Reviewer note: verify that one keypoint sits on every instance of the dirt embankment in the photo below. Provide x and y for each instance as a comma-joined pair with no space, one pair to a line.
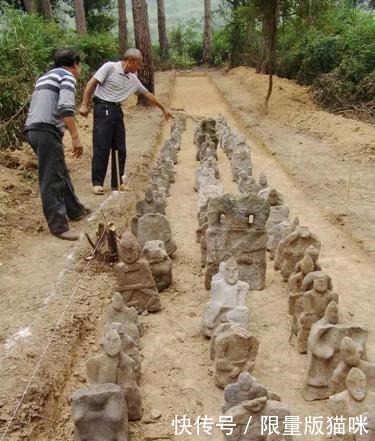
331,157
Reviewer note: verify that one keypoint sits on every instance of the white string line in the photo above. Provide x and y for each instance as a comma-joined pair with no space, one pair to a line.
70,299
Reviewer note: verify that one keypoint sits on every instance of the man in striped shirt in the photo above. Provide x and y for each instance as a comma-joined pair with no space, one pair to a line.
112,84
51,110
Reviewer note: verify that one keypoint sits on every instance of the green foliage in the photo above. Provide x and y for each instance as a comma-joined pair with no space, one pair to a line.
27,44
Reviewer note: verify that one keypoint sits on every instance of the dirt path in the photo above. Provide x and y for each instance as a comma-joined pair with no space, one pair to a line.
177,374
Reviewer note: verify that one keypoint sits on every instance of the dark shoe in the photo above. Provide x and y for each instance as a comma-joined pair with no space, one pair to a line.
85,212
67,235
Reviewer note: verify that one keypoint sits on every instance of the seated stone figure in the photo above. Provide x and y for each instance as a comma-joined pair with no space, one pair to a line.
129,346
278,233
356,399
263,181
114,366
295,294
315,303
246,183
292,249
160,263
240,162
323,352
156,226
118,312
278,214
207,173
351,355
100,413
244,389
134,277
227,292
247,417
235,352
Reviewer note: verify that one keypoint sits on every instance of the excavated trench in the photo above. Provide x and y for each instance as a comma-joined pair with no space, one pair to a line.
177,374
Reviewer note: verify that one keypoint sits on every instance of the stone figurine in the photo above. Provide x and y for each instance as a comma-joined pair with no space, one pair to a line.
114,366
134,277
160,263
156,226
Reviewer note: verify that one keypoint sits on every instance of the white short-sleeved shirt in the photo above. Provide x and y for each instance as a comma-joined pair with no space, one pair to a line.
115,85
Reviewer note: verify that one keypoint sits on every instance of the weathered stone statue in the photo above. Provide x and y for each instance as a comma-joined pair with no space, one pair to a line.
114,366
134,277
100,413
314,305
128,346
148,205
263,181
227,292
161,181
247,417
236,227
279,232
292,249
240,162
206,133
278,213
118,312
156,227
356,399
160,263
246,183
244,389
207,173
206,193
170,147
235,352
308,281
323,352
207,149
351,355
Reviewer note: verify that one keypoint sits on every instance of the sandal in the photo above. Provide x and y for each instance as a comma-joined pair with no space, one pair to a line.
98,189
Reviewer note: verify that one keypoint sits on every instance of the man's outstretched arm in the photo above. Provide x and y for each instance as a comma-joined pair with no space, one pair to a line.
87,94
151,99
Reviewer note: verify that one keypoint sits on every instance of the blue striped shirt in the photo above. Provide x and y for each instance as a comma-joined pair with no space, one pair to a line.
53,99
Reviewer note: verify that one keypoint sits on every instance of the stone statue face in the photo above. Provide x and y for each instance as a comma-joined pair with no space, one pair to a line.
349,352
263,179
273,197
231,273
356,384
117,301
132,254
320,285
112,343
148,195
245,381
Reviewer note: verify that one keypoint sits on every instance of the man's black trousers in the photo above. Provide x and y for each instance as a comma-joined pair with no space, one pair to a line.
108,136
56,189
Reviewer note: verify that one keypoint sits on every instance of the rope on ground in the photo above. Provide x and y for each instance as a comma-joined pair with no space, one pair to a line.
71,297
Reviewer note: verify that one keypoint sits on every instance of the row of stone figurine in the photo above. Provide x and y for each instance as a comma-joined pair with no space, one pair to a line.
102,410
331,346
226,317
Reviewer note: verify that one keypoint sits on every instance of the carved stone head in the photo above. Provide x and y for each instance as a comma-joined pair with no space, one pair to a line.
320,285
356,384
117,301
129,249
231,271
307,265
245,381
350,353
149,197
112,343
262,179
332,313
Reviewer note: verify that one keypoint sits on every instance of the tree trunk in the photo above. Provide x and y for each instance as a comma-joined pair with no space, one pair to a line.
80,14
30,6
163,36
122,27
207,33
46,9
143,43
270,31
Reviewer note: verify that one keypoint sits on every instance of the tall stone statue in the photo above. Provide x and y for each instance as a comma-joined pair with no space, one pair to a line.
227,292
236,227
134,277
100,413
114,366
